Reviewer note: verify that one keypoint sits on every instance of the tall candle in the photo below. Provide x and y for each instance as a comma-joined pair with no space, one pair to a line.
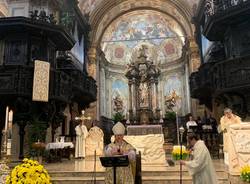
11,115
6,118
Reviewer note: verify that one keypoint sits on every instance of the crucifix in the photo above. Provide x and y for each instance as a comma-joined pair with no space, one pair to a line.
82,117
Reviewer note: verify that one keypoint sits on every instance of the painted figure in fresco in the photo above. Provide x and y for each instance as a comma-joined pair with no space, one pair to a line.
118,103
142,51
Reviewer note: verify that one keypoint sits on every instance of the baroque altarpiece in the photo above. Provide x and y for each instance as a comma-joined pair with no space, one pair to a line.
143,81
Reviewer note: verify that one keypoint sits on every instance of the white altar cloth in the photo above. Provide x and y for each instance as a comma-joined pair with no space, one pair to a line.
59,145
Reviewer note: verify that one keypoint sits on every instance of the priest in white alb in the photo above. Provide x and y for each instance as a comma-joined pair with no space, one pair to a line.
228,119
81,135
124,175
201,167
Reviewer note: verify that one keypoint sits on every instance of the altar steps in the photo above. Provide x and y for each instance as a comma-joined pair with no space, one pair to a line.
148,177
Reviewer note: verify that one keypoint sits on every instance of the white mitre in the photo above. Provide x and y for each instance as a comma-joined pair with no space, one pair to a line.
118,129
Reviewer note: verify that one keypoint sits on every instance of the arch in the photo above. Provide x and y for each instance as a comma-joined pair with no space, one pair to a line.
157,31
107,11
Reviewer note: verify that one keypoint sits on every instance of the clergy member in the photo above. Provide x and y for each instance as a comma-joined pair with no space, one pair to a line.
228,119
81,134
191,123
124,175
201,167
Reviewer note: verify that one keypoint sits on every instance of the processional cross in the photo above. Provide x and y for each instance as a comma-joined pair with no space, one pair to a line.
82,117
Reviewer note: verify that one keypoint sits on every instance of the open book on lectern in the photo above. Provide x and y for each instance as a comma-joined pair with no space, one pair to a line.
115,161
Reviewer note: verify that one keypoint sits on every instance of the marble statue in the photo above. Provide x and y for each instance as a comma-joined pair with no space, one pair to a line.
94,142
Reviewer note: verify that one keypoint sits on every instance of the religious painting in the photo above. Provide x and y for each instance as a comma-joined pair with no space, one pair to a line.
173,87
119,52
169,48
131,30
119,97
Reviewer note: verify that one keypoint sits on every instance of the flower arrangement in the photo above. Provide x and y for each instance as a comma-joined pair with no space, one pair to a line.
245,173
29,171
176,153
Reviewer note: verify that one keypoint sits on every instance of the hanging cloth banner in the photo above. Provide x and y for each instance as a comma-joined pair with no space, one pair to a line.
41,81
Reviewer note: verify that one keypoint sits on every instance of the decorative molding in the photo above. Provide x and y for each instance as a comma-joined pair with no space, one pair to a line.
41,81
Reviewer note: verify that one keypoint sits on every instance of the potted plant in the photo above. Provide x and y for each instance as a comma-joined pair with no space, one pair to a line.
176,153
29,171
245,174
118,117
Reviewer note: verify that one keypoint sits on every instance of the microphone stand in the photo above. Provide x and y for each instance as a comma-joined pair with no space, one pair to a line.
95,169
181,130
94,172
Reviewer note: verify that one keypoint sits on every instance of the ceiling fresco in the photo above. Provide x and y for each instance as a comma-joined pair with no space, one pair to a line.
87,6
160,33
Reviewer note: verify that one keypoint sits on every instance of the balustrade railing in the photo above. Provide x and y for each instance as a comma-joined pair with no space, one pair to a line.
213,7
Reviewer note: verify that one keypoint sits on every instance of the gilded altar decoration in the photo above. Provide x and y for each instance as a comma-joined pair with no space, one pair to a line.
143,77
41,81
171,101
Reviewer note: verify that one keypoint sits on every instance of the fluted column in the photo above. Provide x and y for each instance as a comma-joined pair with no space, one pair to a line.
135,103
130,100
151,92
157,110
157,94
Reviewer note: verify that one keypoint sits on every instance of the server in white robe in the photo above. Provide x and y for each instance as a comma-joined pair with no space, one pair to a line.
81,135
201,167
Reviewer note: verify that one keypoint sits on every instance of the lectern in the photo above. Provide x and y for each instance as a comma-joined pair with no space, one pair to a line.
115,161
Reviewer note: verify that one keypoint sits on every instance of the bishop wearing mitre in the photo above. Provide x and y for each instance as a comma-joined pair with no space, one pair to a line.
81,135
124,175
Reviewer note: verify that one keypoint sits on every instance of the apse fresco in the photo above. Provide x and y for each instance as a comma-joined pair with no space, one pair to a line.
119,97
161,34
173,83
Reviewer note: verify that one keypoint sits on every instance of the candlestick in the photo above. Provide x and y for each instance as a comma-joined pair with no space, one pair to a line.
11,115
6,118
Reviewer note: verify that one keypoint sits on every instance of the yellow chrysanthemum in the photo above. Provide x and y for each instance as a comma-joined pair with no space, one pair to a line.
28,172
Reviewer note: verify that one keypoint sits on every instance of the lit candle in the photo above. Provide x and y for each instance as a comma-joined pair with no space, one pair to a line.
6,118
11,115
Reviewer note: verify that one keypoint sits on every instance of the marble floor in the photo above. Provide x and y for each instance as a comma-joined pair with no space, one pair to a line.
88,165
77,171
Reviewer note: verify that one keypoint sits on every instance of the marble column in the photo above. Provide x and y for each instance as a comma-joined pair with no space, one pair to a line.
194,64
150,93
130,100
157,95
135,101
103,93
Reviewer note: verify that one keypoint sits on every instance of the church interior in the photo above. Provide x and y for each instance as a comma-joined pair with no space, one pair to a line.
165,69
